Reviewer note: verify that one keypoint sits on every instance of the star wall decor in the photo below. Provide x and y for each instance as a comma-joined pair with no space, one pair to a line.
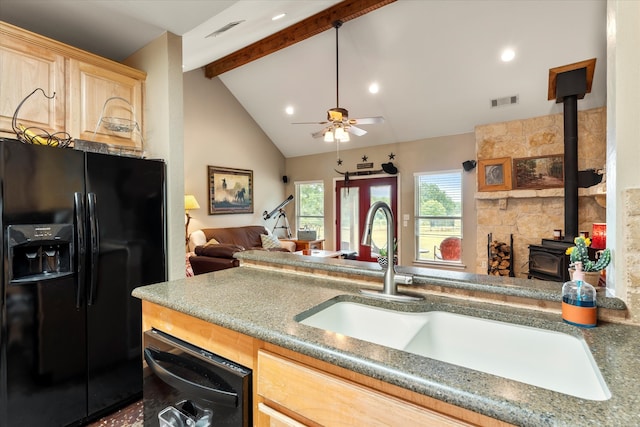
365,158
392,156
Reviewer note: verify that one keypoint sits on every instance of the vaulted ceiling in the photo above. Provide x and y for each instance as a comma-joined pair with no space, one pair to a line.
437,62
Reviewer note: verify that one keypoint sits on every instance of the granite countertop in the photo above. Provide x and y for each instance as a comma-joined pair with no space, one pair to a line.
499,285
263,304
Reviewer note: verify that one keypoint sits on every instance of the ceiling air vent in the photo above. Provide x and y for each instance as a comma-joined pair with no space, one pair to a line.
227,27
507,100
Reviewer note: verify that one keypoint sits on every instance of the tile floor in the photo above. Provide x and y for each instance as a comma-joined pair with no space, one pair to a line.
130,416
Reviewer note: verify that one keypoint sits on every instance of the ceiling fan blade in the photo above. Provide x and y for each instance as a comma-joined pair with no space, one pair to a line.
310,123
356,131
320,133
368,120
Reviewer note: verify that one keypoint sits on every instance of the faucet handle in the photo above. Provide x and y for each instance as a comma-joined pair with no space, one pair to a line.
403,279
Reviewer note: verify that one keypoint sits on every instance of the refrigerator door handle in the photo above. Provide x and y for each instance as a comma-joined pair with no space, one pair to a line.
94,241
81,244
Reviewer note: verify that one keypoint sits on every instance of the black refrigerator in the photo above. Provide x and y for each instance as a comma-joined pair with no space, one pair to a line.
80,232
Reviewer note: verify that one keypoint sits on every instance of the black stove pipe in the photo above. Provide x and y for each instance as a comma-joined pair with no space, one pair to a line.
570,167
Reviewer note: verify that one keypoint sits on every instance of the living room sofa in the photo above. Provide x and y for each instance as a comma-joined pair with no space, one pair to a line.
213,248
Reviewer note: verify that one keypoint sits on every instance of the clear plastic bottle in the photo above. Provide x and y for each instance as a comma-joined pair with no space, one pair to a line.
579,306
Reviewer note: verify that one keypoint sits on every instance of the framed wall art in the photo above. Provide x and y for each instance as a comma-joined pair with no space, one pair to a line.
538,172
230,190
494,174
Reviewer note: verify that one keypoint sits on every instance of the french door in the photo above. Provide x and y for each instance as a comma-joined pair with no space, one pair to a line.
353,199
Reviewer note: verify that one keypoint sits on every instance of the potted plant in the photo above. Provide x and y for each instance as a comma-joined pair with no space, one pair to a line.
580,253
383,257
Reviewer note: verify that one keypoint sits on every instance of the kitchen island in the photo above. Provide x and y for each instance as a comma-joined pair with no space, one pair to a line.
248,314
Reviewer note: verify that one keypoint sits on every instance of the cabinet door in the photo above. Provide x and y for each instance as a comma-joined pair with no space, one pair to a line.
25,67
329,400
99,96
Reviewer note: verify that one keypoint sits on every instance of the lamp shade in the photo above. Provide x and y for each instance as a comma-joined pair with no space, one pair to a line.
328,136
190,202
339,133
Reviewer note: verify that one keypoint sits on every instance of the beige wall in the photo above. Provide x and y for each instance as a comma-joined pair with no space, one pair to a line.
428,155
219,132
162,60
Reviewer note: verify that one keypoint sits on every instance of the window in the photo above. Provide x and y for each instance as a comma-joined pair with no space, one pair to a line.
438,216
310,206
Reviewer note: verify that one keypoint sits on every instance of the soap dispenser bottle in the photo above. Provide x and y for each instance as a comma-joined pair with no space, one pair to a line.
579,301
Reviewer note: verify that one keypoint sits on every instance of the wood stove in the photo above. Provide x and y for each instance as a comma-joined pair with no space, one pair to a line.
548,261
567,84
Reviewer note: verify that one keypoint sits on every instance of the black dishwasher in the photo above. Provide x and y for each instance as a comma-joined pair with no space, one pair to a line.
188,386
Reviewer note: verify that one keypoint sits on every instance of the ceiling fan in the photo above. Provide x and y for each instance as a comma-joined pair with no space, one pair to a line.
339,124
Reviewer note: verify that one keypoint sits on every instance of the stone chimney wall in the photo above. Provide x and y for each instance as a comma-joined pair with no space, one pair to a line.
631,254
531,215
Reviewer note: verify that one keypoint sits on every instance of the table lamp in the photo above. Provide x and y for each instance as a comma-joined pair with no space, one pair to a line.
190,203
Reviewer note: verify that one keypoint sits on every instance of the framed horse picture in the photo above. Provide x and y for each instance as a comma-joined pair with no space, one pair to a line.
494,174
230,190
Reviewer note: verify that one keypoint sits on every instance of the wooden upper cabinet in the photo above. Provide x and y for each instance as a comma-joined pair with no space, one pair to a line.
24,68
83,83
103,100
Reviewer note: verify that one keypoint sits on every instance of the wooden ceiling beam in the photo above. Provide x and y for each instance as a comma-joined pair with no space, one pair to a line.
322,21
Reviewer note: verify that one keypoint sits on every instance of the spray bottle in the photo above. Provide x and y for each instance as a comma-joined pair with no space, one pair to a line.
579,301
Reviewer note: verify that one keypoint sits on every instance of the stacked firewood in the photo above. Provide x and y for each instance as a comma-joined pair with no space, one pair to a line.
499,258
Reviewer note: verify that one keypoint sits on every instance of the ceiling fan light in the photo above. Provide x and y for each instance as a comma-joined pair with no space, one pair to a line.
339,133
345,137
328,136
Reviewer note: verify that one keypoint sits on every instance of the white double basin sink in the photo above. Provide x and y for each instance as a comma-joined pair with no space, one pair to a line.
552,360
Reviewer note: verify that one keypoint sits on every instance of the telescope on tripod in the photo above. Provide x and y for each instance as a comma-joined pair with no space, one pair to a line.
281,228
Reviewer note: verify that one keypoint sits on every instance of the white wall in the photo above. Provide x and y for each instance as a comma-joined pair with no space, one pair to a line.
219,132
162,60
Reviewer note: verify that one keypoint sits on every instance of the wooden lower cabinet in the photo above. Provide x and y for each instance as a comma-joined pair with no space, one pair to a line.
273,418
329,400
293,390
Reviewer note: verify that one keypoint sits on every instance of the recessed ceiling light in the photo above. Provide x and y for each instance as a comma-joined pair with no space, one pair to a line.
289,110
507,55
374,88
278,16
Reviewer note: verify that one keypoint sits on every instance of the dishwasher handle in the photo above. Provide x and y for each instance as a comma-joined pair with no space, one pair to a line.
152,357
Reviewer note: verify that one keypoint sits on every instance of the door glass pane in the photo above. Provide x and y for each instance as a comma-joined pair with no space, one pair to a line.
379,193
349,222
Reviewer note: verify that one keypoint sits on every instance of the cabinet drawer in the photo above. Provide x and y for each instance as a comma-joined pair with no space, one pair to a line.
277,419
330,400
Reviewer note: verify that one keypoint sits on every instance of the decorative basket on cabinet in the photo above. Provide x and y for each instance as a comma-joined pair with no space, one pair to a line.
119,124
